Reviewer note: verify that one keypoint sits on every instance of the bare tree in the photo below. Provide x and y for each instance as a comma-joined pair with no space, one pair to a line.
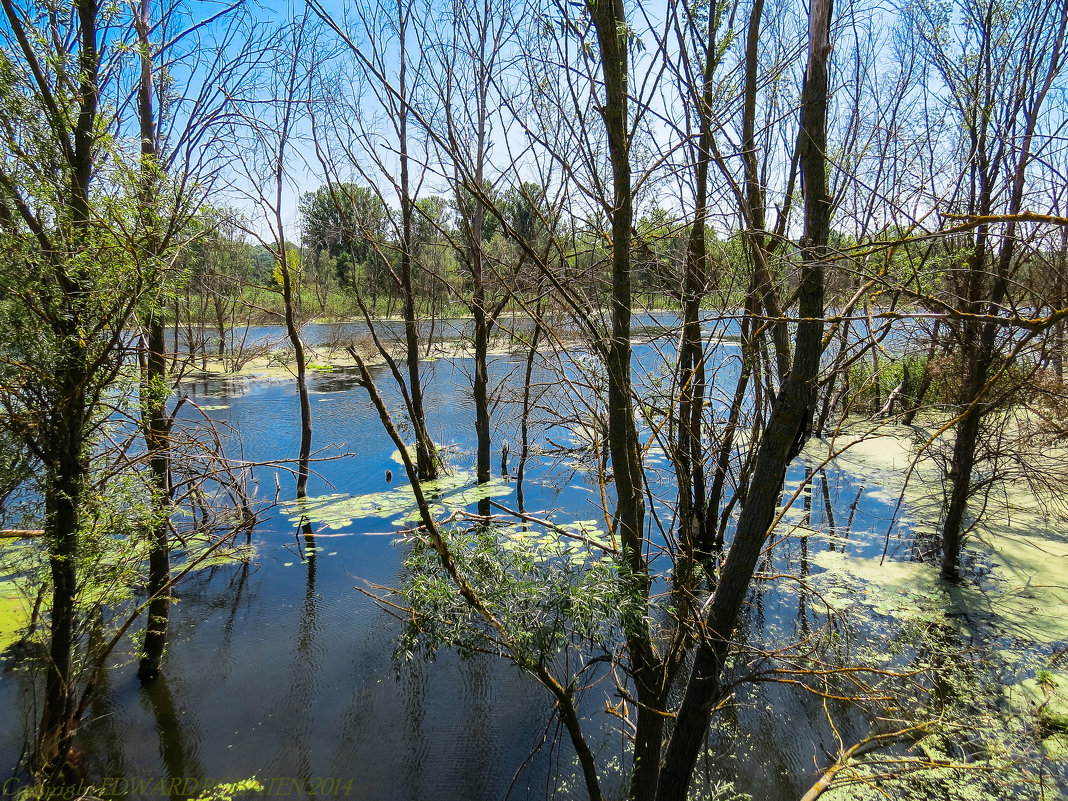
998,72
174,178
271,146
469,50
393,95
788,426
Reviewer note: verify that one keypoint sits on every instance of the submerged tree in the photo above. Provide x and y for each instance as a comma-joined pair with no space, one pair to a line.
666,734
89,226
174,177
70,288
998,70
155,422
469,53
393,85
788,427
653,601
269,145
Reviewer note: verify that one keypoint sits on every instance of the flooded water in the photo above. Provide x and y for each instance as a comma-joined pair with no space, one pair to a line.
280,668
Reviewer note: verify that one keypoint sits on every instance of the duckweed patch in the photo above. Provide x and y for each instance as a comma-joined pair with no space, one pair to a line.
1041,703
1003,727
1026,593
339,510
898,589
15,614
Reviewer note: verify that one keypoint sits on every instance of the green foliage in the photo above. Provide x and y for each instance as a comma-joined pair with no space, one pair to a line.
527,213
659,244
1054,721
868,390
550,593
22,572
109,559
112,555
722,791
227,791
17,469
351,225
293,266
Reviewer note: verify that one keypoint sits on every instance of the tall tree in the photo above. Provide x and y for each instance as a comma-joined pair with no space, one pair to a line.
609,23
699,93
787,430
392,84
997,69
69,292
349,223
154,418
469,52
271,143
175,176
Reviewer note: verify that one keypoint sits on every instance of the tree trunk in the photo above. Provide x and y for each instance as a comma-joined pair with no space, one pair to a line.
66,460
754,217
62,501
786,432
300,361
609,19
714,537
426,457
960,476
524,433
690,441
980,339
156,428
154,422
290,289
482,324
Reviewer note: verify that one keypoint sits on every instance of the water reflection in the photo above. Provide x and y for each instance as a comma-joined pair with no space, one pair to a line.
179,737
279,668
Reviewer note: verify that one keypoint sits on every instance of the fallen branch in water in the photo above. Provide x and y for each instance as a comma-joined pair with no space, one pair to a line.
847,758
21,533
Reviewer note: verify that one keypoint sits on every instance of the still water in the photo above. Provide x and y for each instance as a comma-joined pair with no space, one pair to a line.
281,669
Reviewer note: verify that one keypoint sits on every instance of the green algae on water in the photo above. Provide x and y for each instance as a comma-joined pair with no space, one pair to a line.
15,614
338,510
1041,703
1025,597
